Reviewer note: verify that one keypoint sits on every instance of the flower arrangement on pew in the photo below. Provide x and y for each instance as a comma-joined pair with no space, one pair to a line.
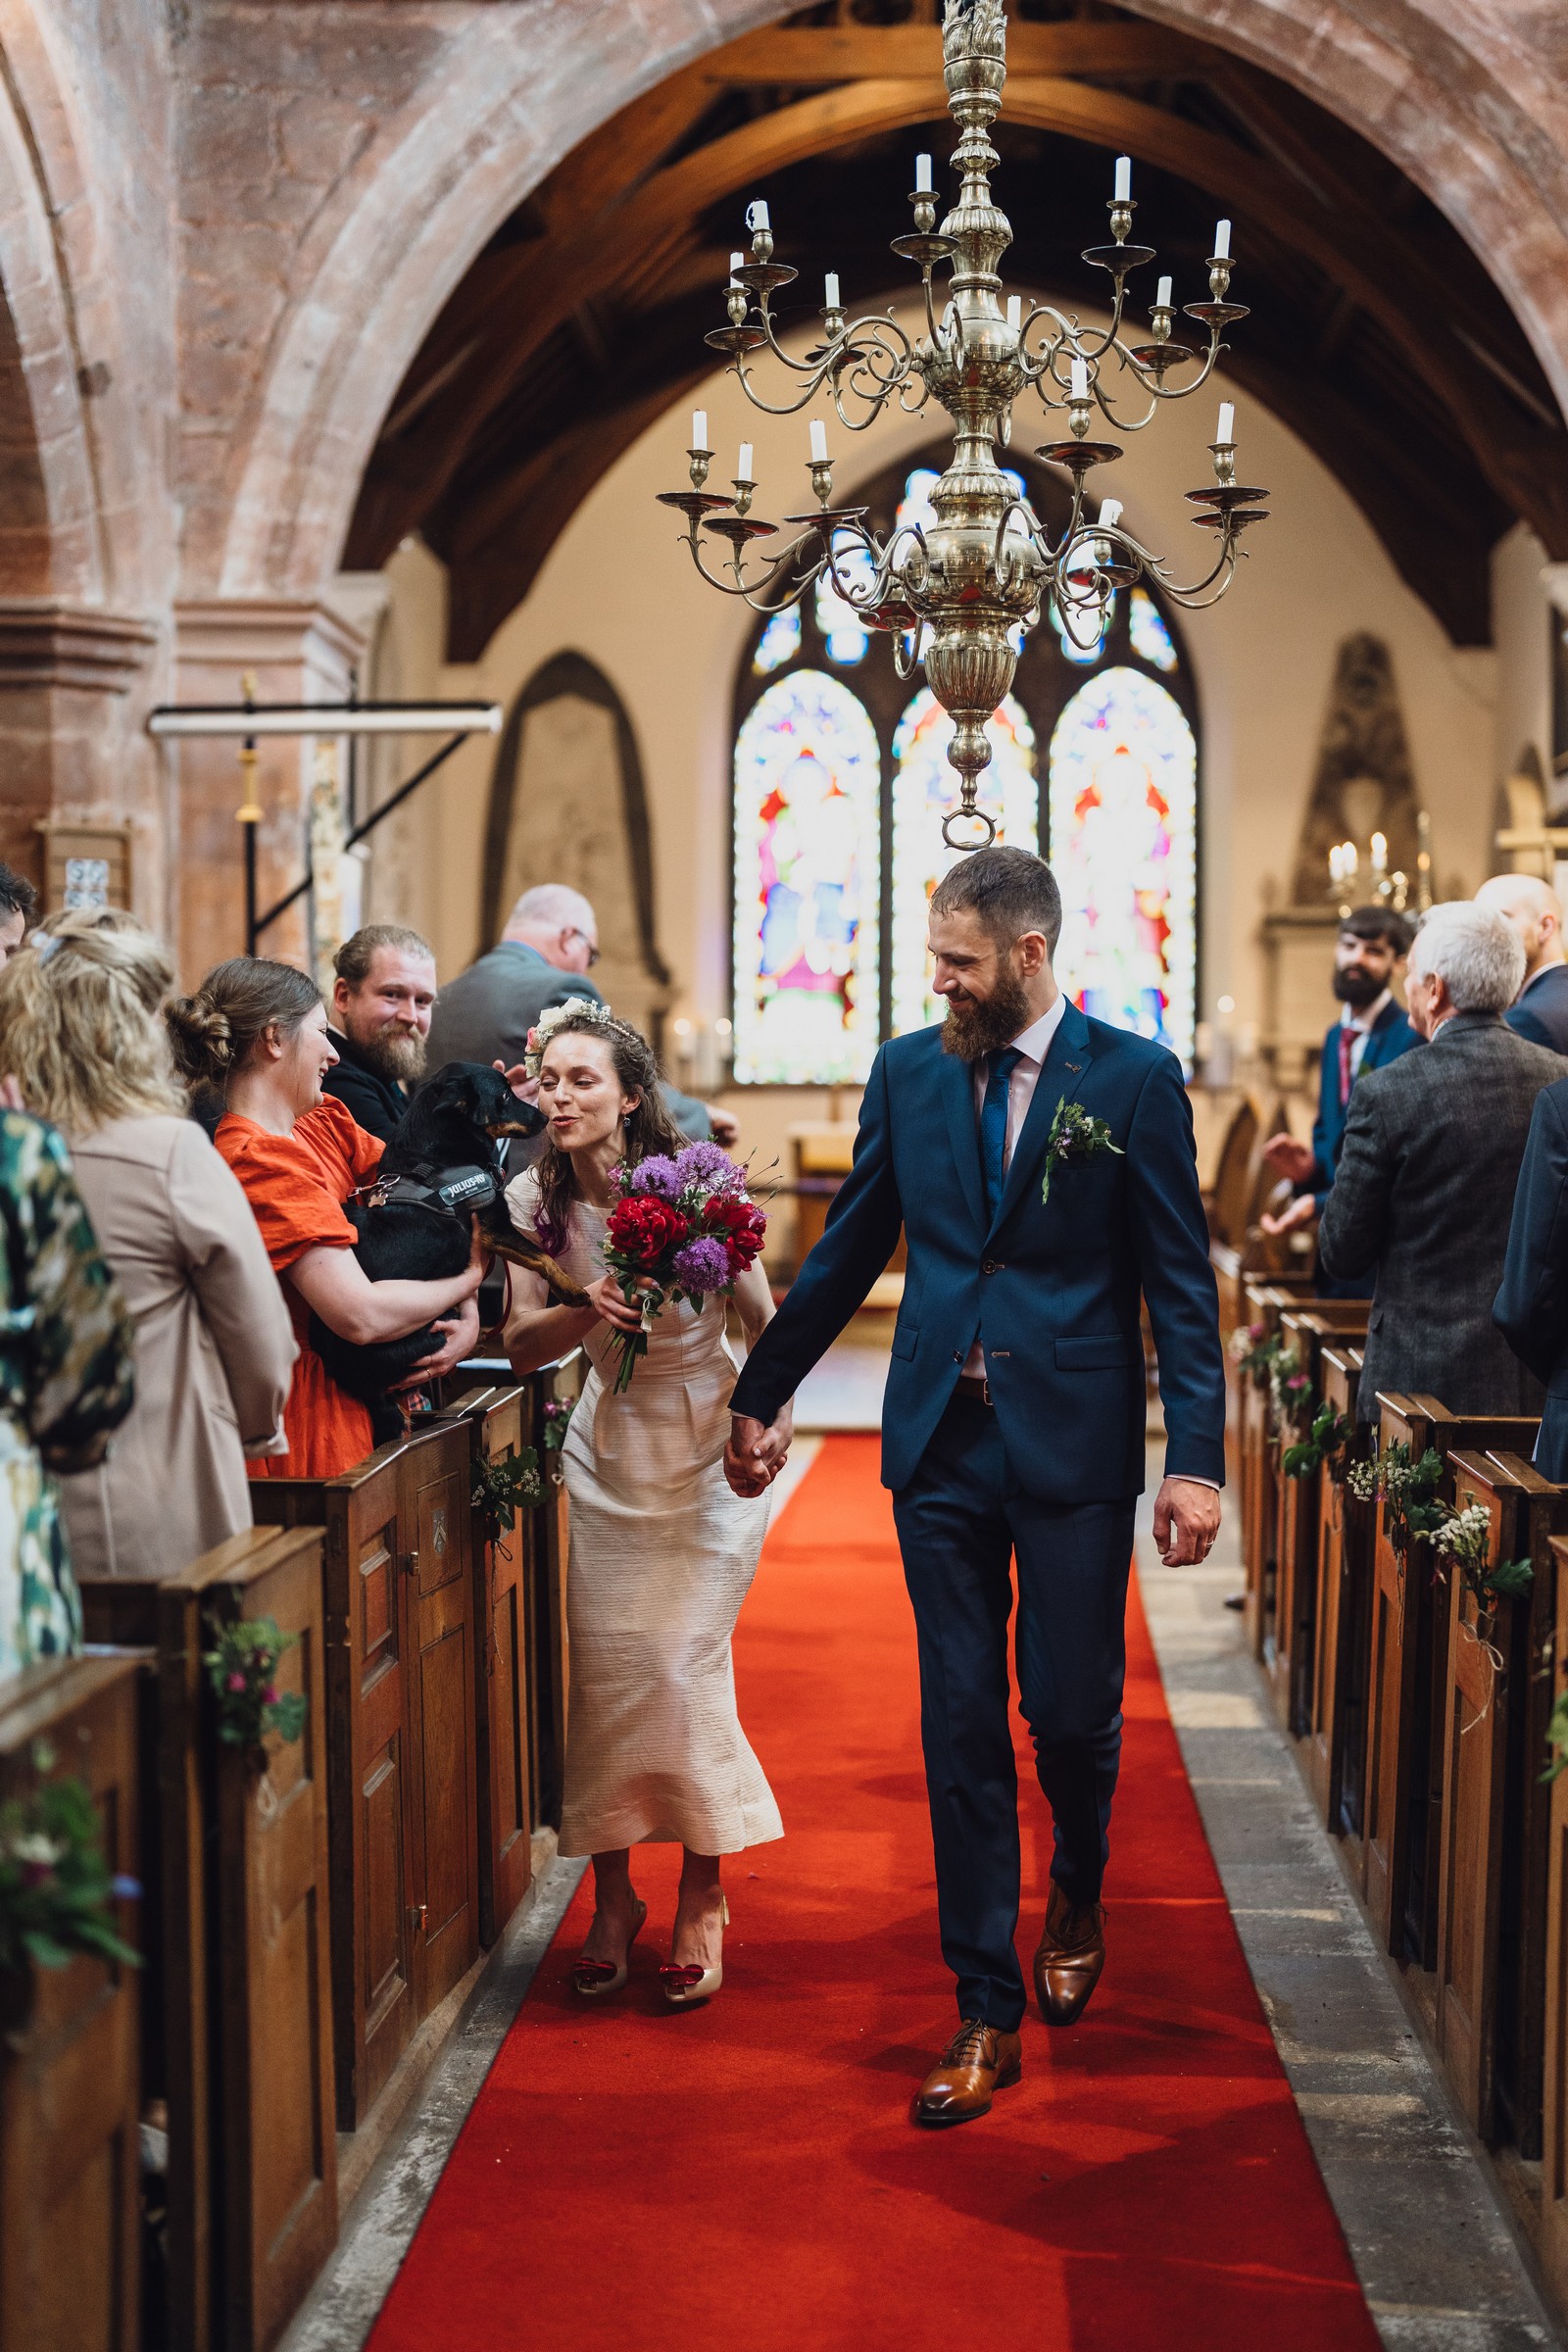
242,1670
1465,1538
1291,1400
1405,1490
501,1490
682,1228
56,1889
1254,1350
1331,1433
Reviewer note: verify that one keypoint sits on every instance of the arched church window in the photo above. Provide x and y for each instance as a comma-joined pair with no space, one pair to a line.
1123,820
807,885
830,912
924,790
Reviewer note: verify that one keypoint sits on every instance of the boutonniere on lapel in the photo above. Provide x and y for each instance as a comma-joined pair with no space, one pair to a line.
1076,1135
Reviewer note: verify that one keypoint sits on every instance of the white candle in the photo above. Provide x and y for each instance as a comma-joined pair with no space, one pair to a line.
737,261
922,176
1227,421
1380,853
757,217
1015,312
699,428
1162,298
743,473
1110,513
1222,242
1080,380
830,288
1124,178
818,442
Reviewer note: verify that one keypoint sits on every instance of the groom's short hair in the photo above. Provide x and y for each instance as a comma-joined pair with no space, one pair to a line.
1011,890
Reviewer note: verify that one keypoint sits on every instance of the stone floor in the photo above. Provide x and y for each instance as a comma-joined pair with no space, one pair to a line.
1434,2249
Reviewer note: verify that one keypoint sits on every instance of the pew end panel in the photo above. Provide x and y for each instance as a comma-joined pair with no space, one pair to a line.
1266,1300
441,1689
1337,1709
1552,2243
1289,1653
70,2073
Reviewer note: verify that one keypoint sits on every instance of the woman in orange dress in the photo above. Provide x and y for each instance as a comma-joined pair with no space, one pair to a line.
256,1033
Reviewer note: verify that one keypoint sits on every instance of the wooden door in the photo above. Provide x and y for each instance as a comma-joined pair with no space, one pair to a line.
495,1418
274,2069
69,2082
1551,2244
437,1474
366,1574
1342,1588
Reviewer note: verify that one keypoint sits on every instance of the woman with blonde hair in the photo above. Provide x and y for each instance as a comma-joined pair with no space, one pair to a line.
84,1046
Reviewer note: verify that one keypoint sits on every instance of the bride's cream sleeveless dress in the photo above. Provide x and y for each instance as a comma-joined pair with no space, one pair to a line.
662,1555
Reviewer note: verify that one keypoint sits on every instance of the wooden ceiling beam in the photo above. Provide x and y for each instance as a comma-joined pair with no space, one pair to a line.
808,57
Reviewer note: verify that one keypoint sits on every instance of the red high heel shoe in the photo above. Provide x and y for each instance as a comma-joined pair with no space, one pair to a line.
594,1978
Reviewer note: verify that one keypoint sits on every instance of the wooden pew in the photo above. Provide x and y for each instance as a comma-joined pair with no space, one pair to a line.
1264,1301
1491,1905
70,2075
401,1643
1289,1645
1551,2243
1337,1703
1408,1680
238,1864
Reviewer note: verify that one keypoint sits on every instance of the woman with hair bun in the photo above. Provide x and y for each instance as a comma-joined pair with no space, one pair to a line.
255,1034
82,1042
662,1552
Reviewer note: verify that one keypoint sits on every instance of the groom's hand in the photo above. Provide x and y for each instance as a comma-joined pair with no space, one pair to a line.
1186,1521
756,1453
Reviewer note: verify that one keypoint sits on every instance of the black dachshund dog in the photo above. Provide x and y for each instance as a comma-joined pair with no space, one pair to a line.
440,1173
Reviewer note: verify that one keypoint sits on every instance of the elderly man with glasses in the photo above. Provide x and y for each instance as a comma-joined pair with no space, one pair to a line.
543,956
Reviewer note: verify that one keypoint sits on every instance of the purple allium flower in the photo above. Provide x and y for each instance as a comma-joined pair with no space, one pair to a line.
658,1174
703,1266
709,1164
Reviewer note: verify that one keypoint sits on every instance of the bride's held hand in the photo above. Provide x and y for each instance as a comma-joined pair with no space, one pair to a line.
612,1305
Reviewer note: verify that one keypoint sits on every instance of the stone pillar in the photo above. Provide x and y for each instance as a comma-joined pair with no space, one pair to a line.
300,652
75,682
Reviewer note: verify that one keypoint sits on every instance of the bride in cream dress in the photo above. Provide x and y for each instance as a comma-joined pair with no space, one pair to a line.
662,1552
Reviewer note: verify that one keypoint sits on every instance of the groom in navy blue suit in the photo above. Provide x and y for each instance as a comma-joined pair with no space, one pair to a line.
1041,1165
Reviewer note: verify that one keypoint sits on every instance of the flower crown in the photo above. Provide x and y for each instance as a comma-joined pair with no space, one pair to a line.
555,1016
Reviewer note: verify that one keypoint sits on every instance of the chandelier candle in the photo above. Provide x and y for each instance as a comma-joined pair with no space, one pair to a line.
952,597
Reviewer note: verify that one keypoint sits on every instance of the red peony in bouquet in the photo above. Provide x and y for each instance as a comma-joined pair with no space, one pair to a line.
683,1228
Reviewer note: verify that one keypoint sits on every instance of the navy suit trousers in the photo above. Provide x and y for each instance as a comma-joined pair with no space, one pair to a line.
961,1519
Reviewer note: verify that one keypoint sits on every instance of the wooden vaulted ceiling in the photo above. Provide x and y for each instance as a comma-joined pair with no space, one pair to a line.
1376,334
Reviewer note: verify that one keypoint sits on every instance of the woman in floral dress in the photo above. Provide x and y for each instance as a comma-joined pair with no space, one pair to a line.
66,1382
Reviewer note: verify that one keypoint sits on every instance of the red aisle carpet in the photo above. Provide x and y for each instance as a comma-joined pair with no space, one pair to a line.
744,2179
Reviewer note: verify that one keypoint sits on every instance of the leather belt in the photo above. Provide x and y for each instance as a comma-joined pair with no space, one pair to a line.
971,1383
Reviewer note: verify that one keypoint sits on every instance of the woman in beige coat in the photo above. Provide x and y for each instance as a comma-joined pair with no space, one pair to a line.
82,1040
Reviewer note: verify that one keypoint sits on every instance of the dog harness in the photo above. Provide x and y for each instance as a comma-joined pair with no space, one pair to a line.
454,1192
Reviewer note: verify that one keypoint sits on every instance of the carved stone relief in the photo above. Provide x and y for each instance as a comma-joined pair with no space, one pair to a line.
1363,782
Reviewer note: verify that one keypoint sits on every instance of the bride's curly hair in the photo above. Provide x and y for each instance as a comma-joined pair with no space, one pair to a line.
648,1126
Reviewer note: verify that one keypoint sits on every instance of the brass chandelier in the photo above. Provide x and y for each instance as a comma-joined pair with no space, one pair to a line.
957,596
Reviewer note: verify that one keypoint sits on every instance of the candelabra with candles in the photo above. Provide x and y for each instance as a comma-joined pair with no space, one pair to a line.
1385,886
958,597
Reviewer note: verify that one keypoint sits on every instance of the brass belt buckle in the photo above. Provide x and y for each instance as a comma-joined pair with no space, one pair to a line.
985,1391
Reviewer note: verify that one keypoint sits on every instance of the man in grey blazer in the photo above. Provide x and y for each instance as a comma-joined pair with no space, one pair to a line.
1425,1186
543,957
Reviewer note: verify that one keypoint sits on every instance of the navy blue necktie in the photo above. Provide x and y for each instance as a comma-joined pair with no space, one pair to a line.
994,1124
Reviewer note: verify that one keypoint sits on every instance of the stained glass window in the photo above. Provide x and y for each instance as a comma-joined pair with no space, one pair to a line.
779,641
924,788
1085,641
1151,639
1123,847
808,882
844,633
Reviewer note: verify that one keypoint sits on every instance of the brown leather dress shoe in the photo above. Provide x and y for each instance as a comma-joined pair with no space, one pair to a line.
978,2060
1069,1957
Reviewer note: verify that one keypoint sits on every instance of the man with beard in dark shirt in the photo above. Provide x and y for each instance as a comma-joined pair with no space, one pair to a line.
379,1016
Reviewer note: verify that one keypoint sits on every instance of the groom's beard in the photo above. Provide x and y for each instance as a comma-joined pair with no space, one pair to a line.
983,1025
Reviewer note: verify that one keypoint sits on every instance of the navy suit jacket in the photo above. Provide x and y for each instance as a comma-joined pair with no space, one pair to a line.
1051,1290
1391,1035
1542,1012
1532,1306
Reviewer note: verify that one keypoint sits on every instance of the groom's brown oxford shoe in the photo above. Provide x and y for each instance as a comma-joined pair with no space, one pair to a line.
978,2060
1069,1957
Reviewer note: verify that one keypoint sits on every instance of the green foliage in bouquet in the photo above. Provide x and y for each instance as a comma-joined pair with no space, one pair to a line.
1405,1490
1465,1536
501,1488
241,1667
56,1891
1331,1434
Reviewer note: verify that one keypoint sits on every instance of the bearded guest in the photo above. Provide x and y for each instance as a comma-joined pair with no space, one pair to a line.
382,999
1372,1030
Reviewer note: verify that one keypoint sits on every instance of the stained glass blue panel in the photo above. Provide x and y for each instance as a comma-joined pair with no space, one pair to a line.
779,640
924,788
1151,639
807,883
1123,805
1083,643
843,630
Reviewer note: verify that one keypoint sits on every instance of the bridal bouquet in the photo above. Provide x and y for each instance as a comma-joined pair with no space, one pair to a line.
682,1228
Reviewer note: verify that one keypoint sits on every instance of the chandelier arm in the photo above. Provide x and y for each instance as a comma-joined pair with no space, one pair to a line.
816,367
1157,391
745,589
1197,597
902,669
789,408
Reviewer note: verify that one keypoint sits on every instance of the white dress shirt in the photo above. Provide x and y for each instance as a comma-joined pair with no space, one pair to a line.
1363,1019
1031,1045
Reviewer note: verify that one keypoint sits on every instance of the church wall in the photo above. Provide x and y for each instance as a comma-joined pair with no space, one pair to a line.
1521,622
619,588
